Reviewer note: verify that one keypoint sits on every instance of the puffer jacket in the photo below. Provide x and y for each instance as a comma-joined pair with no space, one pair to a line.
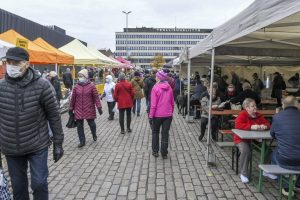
285,128
27,104
162,100
138,85
83,101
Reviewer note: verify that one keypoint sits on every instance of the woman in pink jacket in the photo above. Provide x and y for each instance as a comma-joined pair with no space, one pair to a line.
83,102
161,112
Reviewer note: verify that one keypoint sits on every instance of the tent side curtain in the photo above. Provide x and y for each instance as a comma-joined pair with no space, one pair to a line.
37,54
260,16
62,58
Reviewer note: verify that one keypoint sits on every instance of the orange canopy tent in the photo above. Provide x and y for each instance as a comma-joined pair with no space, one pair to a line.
62,57
38,54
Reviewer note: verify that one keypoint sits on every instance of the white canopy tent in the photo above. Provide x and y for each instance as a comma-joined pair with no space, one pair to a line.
107,60
265,33
4,46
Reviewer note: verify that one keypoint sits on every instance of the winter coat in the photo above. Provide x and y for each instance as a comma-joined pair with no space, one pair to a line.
256,85
138,85
56,84
205,104
244,122
246,94
108,89
67,79
124,94
171,82
149,83
222,85
278,86
83,101
162,100
27,104
285,128
199,89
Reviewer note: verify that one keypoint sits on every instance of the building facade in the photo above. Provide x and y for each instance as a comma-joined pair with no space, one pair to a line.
142,44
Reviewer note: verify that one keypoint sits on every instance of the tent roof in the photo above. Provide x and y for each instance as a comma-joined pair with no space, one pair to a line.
82,54
62,58
104,58
265,32
37,54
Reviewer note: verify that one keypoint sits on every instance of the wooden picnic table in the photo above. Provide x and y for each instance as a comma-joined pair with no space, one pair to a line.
266,113
256,135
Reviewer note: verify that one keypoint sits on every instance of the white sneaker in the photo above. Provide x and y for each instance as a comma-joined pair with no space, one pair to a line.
271,176
244,179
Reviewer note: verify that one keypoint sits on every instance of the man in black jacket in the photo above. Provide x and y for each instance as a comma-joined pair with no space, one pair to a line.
149,83
67,79
246,93
27,105
285,129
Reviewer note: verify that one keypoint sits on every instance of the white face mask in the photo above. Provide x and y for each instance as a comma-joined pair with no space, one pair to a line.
82,79
13,71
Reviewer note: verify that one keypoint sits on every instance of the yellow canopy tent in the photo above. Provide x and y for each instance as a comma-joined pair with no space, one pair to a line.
38,54
62,57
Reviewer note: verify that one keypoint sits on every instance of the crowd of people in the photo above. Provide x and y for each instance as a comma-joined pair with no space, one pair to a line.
29,104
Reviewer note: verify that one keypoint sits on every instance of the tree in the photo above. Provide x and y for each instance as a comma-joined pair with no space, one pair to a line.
158,62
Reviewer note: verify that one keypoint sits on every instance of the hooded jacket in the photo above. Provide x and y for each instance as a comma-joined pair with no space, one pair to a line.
27,104
84,99
109,87
162,100
138,85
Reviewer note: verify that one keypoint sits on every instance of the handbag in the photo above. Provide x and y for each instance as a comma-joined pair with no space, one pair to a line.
4,190
71,122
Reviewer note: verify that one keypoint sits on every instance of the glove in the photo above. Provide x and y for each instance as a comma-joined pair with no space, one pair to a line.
58,152
100,111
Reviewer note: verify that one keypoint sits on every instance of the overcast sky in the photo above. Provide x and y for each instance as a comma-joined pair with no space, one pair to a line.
96,21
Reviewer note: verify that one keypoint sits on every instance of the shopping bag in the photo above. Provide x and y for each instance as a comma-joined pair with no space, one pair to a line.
71,122
4,190
115,109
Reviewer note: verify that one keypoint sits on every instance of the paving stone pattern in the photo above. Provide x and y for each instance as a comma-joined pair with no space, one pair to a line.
121,166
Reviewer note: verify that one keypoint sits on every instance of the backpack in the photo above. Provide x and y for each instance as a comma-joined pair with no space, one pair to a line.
261,84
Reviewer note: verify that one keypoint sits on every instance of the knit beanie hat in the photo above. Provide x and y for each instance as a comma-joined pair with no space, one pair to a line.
161,75
84,72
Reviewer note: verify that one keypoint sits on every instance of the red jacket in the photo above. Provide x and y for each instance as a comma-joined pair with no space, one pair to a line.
123,94
83,101
244,122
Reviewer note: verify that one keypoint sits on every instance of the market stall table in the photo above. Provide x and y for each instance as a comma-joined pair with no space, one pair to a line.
256,135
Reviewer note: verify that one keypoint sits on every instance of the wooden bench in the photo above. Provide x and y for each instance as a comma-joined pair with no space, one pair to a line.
235,154
282,173
227,133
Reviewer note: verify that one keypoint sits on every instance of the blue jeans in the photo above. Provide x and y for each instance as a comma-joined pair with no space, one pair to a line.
137,106
17,168
275,161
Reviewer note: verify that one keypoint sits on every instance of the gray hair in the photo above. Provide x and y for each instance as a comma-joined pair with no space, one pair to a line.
247,102
68,70
290,101
121,76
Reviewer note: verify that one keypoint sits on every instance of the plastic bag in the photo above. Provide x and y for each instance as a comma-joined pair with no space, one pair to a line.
115,109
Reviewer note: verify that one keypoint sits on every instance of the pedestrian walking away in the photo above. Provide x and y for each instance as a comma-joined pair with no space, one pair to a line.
27,105
109,88
67,79
138,85
123,95
83,101
161,112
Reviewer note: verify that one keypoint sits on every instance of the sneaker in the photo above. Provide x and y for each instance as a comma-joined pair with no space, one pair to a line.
81,144
155,154
122,132
285,192
271,176
129,130
165,156
244,179
138,114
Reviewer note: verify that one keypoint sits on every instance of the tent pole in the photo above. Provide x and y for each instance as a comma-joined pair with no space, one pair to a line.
210,159
188,92
56,68
179,76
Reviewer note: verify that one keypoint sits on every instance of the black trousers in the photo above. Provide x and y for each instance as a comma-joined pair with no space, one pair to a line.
214,127
111,106
128,117
80,129
164,123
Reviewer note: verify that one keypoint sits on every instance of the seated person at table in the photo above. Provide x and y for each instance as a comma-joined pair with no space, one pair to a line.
247,93
285,129
230,93
204,116
248,119
195,98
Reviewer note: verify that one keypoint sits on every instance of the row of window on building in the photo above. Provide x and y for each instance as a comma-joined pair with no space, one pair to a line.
147,54
149,48
158,42
118,36
145,60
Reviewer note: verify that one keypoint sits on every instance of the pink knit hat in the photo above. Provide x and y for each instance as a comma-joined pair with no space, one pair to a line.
161,75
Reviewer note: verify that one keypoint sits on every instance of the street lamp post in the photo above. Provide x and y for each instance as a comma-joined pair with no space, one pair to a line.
127,13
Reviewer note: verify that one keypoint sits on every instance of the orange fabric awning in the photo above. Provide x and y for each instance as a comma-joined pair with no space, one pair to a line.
38,54
62,57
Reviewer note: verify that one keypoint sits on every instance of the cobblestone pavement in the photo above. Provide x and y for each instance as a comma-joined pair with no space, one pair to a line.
121,166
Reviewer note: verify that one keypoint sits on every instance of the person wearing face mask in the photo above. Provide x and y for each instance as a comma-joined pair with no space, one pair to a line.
248,119
216,101
52,77
27,104
83,101
109,88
